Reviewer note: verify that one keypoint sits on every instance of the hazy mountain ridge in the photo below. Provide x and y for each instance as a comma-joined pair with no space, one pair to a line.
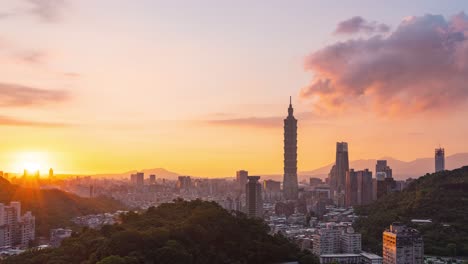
401,169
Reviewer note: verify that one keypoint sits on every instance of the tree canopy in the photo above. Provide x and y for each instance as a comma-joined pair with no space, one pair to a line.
441,197
179,232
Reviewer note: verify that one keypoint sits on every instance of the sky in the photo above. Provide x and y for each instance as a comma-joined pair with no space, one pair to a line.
201,87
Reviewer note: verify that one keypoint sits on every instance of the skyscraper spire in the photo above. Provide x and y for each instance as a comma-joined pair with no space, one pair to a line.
290,109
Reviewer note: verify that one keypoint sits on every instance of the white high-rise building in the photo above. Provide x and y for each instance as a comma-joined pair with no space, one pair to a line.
16,230
326,241
350,241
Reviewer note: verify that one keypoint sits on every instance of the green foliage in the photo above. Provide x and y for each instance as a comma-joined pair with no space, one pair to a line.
442,197
54,208
180,232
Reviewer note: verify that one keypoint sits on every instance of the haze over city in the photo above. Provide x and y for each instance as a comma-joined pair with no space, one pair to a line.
201,88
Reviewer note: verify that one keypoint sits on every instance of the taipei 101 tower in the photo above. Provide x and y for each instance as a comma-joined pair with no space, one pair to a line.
290,186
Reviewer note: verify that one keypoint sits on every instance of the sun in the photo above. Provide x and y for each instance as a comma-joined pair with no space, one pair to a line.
32,161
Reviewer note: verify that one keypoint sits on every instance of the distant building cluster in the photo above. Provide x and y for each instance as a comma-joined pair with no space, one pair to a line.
16,229
98,220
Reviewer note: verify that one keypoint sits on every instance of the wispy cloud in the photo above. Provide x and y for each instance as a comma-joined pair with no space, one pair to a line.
19,95
257,122
10,121
358,24
421,66
48,10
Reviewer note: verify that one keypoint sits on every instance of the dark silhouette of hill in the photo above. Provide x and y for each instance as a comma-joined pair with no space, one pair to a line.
54,208
441,197
180,232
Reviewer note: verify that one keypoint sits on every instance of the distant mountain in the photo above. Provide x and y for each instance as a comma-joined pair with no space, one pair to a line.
401,169
159,172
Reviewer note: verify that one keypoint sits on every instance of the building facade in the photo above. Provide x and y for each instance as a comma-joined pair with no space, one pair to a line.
16,229
341,167
290,184
241,178
358,187
402,245
439,159
253,197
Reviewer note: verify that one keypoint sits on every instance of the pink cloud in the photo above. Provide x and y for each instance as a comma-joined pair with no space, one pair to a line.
358,24
421,66
16,95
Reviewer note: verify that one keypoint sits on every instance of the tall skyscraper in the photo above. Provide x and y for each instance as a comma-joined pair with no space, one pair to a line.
253,197
152,179
439,159
290,185
402,244
51,173
341,166
241,178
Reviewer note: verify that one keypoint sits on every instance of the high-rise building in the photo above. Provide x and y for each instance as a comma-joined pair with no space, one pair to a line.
326,241
402,244
380,166
140,179
364,187
184,182
241,179
253,197
16,230
152,179
439,159
351,188
51,173
290,185
358,187
341,166
272,189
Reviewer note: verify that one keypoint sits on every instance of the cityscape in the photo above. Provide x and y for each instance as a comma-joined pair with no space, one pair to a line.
366,164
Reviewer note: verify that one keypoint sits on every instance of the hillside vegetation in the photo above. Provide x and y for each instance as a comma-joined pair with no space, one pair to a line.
179,232
54,208
441,197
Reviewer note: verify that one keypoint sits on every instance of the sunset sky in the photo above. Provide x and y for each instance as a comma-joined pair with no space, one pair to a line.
201,87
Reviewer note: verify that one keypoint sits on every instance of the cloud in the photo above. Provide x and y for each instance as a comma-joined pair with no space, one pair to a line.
259,122
421,66
358,24
9,121
32,56
47,10
20,95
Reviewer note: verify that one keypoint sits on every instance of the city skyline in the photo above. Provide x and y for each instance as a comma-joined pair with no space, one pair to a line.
177,86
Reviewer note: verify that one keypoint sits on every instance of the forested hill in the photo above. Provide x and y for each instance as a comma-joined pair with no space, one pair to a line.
179,232
54,208
441,197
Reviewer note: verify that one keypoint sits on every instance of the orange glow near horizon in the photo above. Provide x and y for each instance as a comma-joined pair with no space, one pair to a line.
32,161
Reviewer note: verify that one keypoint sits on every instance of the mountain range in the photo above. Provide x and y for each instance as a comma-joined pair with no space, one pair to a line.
401,169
